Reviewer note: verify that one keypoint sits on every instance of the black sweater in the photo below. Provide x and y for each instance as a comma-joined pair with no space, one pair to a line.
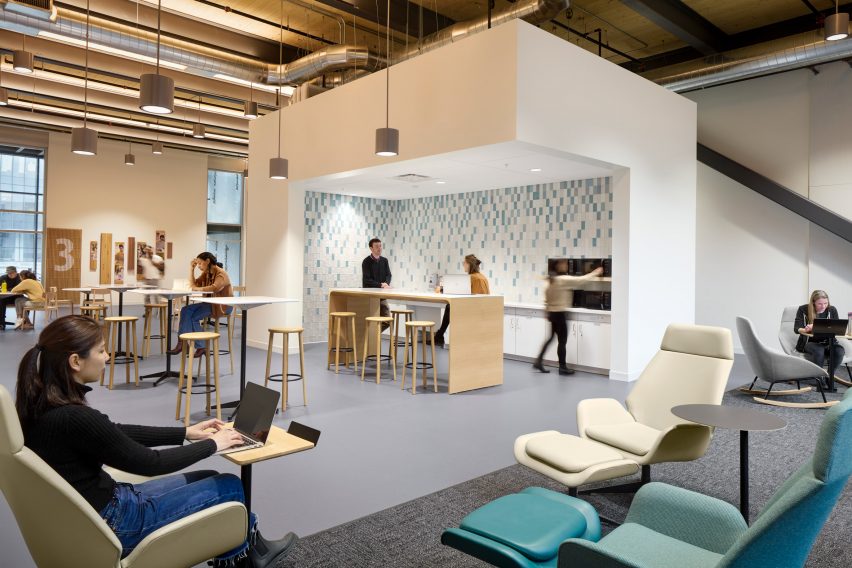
375,272
801,321
77,441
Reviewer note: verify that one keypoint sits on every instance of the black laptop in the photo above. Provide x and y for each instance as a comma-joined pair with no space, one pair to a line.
829,327
254,417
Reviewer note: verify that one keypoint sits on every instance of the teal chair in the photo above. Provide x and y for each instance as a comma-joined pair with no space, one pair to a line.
669,527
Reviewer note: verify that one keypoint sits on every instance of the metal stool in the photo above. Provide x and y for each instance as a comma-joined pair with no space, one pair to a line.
378,357
411,329
112,326
188,342
147,336
94,311
398,315
285,375
335,320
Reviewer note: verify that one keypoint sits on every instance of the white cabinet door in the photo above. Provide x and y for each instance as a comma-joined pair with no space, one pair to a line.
509,332
593,345
529,334
570,346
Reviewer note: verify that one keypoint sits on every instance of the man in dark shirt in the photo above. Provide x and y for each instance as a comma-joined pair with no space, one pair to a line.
376,273
10,279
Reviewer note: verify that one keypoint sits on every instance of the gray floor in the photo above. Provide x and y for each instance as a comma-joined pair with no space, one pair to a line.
379,446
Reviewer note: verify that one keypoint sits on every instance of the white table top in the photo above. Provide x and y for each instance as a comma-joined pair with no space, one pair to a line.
85,289
246,302
124,288
167,292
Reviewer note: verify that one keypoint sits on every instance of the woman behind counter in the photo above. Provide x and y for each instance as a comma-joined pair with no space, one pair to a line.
816,349
478,285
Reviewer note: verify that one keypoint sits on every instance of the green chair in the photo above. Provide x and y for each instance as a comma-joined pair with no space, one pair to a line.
670,527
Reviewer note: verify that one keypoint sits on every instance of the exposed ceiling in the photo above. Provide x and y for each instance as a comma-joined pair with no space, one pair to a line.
645,36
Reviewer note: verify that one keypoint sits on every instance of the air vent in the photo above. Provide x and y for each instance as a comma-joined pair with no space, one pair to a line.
412,178
42,9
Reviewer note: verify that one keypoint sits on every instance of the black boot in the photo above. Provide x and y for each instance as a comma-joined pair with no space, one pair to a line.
439,339
538,366
268,552
566,371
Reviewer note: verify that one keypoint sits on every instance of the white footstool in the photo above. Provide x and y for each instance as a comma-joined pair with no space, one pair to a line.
570,460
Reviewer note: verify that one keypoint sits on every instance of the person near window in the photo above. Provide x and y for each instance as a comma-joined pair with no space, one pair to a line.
7,282
213,279
558,298
77,441
816,349
478,285
30,290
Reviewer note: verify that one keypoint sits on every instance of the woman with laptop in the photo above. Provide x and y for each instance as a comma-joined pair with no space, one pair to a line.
816,348
478,285
77,441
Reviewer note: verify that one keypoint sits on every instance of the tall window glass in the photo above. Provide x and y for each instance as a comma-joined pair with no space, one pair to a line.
225,220
22,209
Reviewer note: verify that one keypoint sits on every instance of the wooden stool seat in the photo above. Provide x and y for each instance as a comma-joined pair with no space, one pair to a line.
187,349
113,324
401,311
378,357
285,375
335,325
94,311
411,329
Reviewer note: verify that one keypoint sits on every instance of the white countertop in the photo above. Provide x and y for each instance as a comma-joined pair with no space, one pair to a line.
541,307
390,292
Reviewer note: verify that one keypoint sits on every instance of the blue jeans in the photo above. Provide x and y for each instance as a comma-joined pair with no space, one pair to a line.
136,511
191,316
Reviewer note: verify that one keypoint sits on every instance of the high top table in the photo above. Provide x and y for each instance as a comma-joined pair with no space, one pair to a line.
735,418
87,290
245,303
170,296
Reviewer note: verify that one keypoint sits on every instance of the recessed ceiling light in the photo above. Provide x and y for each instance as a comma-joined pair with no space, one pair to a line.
441,182
535,169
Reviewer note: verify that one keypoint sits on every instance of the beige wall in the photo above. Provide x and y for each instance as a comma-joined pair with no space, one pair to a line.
99,194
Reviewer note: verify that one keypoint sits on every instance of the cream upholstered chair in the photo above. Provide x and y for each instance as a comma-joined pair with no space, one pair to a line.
61,528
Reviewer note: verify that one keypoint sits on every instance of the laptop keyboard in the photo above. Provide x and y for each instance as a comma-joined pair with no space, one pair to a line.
246,441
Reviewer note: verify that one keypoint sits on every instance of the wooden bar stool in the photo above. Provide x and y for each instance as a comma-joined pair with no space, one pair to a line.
147,336
229,323
378,357
113,324
94,311
399,315
188,342
285,375
336,321
411,329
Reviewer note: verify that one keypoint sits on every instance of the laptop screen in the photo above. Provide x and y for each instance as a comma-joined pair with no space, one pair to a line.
456,283
256,411
825,326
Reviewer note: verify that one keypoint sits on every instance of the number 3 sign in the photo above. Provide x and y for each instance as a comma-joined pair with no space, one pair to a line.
62,260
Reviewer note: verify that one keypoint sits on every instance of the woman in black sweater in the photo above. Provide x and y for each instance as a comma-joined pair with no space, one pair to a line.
816,349
77,441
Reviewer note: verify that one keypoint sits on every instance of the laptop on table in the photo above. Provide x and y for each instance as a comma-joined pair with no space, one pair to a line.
456,284
254,417
827,327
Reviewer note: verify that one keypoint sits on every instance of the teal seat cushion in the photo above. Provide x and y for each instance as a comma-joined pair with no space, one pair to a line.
646,547
531,524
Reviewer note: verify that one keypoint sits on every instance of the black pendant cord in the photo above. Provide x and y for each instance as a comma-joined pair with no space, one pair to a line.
280,65
159,12
86,79
387,72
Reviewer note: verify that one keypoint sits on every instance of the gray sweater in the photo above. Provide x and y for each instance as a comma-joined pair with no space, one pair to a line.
559,295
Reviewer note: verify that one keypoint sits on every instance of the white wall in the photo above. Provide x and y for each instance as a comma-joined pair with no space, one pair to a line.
755,257
99,194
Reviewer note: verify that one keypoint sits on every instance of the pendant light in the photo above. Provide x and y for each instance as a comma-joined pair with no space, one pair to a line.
837,24
4,93
279,167
129,158
251,106
157,92
387,138
84,141
22,60
198,129
157,148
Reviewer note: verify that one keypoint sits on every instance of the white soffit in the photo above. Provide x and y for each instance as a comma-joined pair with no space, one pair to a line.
509,164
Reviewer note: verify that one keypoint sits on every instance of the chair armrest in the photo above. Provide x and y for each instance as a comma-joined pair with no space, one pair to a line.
193,539
788,367
700,520
485,549
681,442
125,477
578,553
597,411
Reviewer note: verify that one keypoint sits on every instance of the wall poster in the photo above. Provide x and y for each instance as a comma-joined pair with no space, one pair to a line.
160,243
63,260
118,267
106,260
169,250
140,252
131,258
93,256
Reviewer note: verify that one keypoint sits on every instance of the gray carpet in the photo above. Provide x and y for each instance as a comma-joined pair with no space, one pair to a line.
408,535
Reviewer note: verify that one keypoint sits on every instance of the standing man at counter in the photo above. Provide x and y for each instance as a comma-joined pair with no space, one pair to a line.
376,273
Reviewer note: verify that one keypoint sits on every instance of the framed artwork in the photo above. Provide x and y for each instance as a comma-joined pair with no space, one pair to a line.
93,256
169,250
118,265
140,252
160,243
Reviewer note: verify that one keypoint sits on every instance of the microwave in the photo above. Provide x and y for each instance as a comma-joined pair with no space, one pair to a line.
592,300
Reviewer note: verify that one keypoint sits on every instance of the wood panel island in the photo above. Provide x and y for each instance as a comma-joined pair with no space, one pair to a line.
476,347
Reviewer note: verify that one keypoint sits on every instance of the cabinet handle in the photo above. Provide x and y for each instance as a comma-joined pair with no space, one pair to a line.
581,331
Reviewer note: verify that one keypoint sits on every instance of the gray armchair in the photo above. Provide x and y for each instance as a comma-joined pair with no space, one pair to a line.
61,529
775,367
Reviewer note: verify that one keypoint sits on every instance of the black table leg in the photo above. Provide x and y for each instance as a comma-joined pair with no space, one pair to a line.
236,403
168,373
744,474
831,343
245,476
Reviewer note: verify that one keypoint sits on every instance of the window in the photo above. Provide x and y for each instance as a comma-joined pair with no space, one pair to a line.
225,220
21,208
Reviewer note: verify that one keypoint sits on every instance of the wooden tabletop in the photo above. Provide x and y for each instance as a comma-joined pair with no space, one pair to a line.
732,417
279,443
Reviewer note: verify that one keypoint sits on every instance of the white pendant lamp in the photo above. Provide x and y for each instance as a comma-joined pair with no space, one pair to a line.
22,60
157,92
198,128
837,24
84,140
129,158
387,138
157,148
279,167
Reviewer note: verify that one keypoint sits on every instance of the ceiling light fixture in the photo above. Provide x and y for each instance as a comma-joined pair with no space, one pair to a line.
22,60
129,158
251,106
84,141
157,148
279,167
387,138
535,169
157,92
198,129
440,182
4,93
837,24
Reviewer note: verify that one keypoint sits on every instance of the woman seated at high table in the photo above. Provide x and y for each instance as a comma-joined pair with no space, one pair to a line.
213,279
816,349
32,291
77,441
478,285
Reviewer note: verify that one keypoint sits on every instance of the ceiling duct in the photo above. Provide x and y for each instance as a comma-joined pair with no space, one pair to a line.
804,50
